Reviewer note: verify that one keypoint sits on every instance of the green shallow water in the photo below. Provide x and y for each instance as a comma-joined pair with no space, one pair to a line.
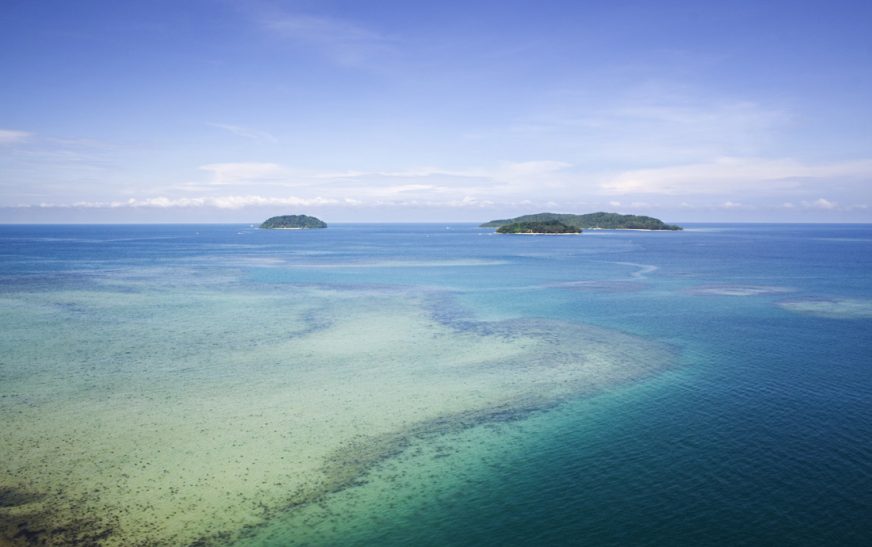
155,410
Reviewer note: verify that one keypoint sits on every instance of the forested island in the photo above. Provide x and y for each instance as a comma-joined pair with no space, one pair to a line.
543,227
590,221
292,222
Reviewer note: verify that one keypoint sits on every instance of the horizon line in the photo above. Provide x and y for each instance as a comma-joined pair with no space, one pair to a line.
435,222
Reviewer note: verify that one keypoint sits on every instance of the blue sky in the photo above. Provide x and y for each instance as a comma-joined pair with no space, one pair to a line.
435,111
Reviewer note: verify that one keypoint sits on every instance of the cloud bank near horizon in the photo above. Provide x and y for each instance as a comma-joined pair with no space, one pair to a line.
723,184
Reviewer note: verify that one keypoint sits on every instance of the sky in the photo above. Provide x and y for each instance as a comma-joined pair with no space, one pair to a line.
432,111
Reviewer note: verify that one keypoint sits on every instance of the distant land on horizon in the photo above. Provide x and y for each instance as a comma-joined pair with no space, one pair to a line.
590,221
253,223
293,222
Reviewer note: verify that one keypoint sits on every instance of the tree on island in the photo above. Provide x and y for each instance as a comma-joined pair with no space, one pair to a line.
545,227
591,221
292,222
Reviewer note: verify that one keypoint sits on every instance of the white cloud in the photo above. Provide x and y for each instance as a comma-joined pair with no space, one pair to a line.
221,202
502,172
737,185
640,205
424,171
404,189
242,201
11,136
822,203
470,201
507,178
728,175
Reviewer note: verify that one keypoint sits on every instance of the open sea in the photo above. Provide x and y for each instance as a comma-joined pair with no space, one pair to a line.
435,384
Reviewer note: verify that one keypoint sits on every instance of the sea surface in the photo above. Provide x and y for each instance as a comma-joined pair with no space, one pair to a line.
435,384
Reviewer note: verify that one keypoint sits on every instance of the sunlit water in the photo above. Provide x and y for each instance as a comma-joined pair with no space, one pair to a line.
433,384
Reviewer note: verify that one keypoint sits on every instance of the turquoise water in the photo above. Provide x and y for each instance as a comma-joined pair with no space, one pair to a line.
436,384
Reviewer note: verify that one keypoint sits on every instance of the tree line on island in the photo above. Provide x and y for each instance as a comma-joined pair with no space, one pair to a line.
538,227
540,223
293,222
549,223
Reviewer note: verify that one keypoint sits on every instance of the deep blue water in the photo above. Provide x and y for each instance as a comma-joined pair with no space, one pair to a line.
761,436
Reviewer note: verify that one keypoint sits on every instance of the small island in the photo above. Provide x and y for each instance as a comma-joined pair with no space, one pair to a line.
548,227
292,222
590,221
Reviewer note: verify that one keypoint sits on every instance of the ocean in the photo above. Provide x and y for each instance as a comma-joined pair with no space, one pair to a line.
435,384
